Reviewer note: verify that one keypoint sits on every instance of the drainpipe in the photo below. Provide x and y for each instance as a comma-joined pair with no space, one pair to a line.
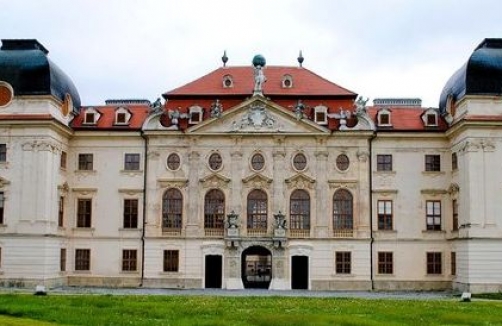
145,169
370,177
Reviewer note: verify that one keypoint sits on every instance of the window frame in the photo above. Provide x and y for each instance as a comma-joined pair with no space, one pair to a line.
172,209
384,162
257,210
173,161
171,261
454,161
432,162
214,209
257,162
129,260
132,161
2,208
82,259
84,212
343,262
300,162
343,210
342,162
434,263
61,209
85,161
62,259
215,161
385,216
3,153
433,215
299,210
130,213
385,262
63,163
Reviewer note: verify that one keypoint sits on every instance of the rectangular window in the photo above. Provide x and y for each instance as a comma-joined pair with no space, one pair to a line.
2,204
384,162
343,262
121,118
434,263
64,158
82,259
454,161
130,213
171,260
453,263
385,214
131,162
433,215
62,259
129,260
89,118
85,162
454,209
385,263
3,153
61,212
84,213
431,119
432,163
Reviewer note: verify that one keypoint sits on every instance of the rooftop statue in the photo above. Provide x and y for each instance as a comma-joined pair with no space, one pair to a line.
216,109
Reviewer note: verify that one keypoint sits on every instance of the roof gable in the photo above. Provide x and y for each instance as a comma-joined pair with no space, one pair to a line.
257,115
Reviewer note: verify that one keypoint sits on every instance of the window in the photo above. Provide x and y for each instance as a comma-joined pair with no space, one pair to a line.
85,162
300,162
257,210
121,118
173,161
0,257
215,161
61,212
453,263
84,213
2,206
130,213
89,118
228,81
64,158
287,81
3,153
384,119
385,263
384,162
131,162
257,162
321,114
129,260
384,215
434,263
172,209
342,210
454,162
82,259
454,209
214,209
171,260
299,210
62,259
431,119
343,262
433,215
342,162
432,163
195,113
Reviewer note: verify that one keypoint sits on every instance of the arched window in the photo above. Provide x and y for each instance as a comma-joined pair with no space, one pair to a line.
257,210
214,209
172,209
299,210
342,211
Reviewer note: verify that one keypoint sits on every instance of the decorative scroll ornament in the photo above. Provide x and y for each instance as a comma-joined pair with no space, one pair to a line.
257,117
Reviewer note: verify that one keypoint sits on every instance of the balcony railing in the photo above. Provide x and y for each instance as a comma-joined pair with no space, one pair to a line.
257,232
343,233
172,232
213,232
299,233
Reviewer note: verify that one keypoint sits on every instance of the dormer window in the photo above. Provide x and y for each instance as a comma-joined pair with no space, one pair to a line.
321,115
122,116
287,81
228,81
195,113
430,118
91,116
383,118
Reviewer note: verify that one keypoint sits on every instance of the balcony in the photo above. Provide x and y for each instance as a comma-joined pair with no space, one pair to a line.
214,232
299,233
257,232
343,233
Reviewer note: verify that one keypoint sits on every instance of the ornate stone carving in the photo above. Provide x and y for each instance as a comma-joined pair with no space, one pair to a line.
64,188
257,180
215,180
362,156
4,182
257,117
453,189
300,181
41,146
172,182
347,184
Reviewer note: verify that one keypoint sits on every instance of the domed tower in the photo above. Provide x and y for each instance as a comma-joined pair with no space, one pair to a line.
471,102
37,102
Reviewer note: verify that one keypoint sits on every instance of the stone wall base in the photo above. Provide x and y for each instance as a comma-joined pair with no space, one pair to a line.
477,287
412,285
173,283
327,285
107,282
32,283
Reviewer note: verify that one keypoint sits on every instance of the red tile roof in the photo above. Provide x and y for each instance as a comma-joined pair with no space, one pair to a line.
406,119
107,118
305,83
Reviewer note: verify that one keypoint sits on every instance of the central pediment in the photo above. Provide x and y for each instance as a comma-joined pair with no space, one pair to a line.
257,115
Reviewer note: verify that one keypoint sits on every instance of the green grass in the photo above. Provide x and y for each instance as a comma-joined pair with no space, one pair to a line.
21,310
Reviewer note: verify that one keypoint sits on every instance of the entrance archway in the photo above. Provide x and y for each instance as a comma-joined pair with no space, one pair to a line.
256,267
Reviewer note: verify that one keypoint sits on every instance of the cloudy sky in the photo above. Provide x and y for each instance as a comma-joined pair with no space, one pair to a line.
142,48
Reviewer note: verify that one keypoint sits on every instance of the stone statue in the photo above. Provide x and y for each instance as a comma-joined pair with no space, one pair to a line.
259,79
156,106
299,109
216,109
360,104
174,115
233,220
280,221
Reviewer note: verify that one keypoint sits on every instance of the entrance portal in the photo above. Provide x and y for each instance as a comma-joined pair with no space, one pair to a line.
256,268
300,272
213,271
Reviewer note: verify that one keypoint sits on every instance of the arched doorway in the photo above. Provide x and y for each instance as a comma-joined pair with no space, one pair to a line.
256,268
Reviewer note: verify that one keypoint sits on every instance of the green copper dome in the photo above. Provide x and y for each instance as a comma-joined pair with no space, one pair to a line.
259,60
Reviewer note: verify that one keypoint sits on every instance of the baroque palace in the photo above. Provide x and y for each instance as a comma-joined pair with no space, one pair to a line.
254,176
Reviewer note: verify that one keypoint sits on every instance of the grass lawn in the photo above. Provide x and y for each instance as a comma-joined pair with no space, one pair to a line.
24,310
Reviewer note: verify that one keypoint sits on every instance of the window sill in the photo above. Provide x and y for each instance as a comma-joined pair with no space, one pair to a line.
86,272
433,232
343,275
86,172
433,173
80,229
131,172
136,272
129,229
384,172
